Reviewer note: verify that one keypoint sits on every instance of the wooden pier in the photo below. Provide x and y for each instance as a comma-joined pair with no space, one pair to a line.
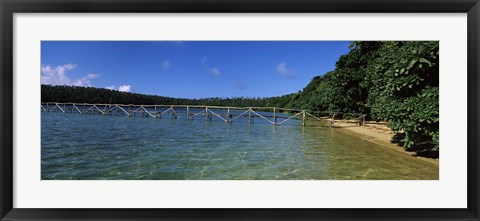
271,115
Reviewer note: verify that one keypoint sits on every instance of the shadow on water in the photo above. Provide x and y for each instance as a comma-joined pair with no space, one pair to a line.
421,150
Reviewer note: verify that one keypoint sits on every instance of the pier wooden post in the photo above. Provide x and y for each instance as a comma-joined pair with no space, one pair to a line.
250,115
228,115
274,117
303,118
48,110
172,111
206,113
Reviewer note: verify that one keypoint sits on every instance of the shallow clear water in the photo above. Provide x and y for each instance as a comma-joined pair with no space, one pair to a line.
90,147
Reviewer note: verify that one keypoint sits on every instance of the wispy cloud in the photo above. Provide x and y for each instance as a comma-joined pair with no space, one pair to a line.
239,85
284,71
58,76
213,70
166,64
123,88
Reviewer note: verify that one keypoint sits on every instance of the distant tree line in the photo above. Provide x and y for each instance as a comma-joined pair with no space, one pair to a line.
74,94
391,81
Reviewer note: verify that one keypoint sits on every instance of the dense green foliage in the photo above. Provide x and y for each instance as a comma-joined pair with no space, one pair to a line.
406,92
392,81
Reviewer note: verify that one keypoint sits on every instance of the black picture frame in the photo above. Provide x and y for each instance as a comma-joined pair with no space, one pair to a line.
9,7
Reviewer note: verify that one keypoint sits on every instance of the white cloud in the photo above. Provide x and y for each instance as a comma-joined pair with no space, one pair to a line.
284,71
125,88
85,81
122,88
166,64
213,70
57,76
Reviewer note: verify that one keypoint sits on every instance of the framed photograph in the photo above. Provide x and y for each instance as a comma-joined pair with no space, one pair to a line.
199,110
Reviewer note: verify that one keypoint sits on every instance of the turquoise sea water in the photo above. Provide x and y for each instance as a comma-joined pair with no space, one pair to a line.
91,147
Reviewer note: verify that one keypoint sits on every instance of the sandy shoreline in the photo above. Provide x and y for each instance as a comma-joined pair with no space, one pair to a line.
378,134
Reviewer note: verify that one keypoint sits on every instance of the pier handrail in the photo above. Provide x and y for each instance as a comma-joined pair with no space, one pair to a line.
202,106
206,110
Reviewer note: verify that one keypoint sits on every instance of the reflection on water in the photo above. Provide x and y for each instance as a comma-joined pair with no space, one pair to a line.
78,146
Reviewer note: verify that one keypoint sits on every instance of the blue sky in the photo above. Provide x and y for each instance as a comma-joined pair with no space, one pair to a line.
190,69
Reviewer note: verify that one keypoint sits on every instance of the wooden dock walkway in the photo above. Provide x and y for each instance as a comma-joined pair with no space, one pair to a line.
272,115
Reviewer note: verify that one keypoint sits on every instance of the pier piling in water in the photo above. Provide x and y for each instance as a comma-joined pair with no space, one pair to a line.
274,117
